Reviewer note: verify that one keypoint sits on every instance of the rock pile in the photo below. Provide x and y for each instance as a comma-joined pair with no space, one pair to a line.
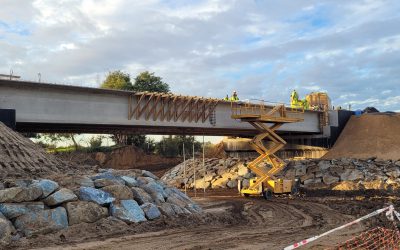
32,207
346,174
219,173
20,157
336,174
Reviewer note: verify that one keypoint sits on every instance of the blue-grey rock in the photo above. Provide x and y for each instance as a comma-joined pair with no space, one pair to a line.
180,210
167,209
177,209
6,230
47,186
42,221
193,208
85,182
20,183
140,195
105,175
99,183
13,210
95,195
120,192
128,211
84,211
177,200
144,180
155,191
181,195
146,173
151,211
20,194
130,181
61,196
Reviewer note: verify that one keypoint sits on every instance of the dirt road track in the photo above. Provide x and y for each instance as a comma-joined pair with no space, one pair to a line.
261,225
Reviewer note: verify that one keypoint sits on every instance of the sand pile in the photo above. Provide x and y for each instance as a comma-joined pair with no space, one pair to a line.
20,157
369,135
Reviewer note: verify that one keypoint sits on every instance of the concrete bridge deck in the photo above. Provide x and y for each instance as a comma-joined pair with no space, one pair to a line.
43,107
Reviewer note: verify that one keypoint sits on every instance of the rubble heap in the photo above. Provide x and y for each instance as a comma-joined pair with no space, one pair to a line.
333,174
32,207
20,157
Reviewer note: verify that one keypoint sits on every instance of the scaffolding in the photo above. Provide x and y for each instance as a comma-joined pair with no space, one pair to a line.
266,119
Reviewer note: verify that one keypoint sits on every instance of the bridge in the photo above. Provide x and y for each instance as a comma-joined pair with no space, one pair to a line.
44,107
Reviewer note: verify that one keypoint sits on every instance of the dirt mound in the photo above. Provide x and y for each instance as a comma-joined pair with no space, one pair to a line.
369,135
130,157
20,157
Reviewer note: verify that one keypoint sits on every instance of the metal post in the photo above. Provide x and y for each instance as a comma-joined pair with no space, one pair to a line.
194,175
184,165
204,170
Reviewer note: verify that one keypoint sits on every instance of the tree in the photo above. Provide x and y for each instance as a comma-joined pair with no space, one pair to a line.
57,137
147,81
171,146
117,80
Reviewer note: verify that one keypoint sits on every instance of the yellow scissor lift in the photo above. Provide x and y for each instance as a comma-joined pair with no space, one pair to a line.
266,119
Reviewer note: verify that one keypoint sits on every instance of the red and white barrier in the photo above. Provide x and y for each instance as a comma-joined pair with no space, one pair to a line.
389,212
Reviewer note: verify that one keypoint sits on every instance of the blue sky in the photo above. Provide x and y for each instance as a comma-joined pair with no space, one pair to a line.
262,49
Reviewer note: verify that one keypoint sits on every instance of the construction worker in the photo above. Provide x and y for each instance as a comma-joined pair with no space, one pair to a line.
226,98
234,97
294,99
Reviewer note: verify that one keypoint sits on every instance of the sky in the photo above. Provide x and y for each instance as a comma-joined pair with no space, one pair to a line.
261,49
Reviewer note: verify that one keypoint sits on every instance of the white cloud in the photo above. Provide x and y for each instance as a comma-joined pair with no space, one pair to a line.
263,49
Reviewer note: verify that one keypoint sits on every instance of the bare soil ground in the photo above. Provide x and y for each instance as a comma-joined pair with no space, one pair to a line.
229,222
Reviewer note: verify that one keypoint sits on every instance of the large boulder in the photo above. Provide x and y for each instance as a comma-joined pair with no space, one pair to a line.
146,173
156,191
128,211
166,209
130,181
13,210
84,211
47,186
61,196
151,211
95,195
85,182
180,210
6,230
42,221
20,194
99,183
142,180
219,183
177,200
193,208
324,165
232,184
351,175
141,196
243,170
200,183
329,179
119,192
105,175
300,170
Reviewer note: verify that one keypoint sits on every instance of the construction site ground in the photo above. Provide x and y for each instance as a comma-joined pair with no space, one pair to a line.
230,222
